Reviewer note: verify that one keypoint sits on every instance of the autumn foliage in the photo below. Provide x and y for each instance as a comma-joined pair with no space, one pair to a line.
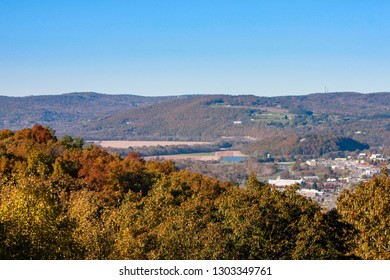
60,200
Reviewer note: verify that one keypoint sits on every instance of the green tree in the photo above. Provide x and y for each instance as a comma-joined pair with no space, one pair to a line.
72,143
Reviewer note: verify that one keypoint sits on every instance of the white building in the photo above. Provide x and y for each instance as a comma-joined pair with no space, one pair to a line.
310,193
311,162
376,157
284,182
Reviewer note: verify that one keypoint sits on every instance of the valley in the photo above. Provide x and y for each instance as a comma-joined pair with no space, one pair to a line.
223,136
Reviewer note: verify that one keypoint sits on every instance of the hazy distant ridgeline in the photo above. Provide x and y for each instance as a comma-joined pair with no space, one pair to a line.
212,117
203,117
67,113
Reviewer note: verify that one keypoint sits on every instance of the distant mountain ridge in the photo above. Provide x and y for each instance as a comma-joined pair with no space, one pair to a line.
91,115
67,113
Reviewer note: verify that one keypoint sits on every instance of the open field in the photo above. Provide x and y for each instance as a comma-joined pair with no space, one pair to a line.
200,156
138,144
268,109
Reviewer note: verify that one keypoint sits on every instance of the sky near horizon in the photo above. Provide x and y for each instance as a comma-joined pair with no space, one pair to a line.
167,47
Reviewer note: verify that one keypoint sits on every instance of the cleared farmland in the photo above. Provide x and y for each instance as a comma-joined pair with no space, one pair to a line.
201,156
138,144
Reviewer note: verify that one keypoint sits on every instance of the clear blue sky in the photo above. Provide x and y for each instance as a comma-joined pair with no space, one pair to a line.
168,47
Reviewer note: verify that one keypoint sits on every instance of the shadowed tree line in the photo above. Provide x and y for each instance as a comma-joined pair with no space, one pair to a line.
60,200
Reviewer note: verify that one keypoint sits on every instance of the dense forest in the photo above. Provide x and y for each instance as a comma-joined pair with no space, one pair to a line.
61,200
295,147
68,113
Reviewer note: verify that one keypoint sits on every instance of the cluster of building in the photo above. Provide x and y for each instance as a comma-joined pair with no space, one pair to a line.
326,190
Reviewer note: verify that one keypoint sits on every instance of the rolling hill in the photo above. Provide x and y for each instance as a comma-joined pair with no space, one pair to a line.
365,117
66,113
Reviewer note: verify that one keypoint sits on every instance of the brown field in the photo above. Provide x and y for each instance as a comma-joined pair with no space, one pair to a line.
137,144
274,109
216,156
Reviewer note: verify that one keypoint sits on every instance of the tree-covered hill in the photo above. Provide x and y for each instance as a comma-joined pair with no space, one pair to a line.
184,119
295,147
67,113
59,200
86,114
361,117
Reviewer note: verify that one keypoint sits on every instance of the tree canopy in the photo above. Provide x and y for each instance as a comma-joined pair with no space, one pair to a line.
60,200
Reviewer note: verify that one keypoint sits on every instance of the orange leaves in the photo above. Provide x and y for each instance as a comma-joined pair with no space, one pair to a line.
5,133
62,201
42,134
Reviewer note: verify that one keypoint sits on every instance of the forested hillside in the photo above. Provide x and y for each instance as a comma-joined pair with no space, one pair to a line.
67,113
182,119
59,200
362,117
295,147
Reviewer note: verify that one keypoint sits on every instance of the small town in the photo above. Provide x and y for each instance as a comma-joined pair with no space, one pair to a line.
344,173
